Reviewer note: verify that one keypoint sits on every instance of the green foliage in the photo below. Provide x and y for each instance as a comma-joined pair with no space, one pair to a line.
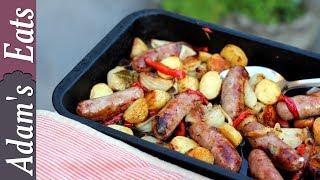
263,11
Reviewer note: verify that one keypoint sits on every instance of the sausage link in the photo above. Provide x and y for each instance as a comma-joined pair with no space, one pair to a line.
261,166
232,94
224,153
108,106
306,105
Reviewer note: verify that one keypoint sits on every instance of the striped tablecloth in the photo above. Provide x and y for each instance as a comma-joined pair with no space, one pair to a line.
67,149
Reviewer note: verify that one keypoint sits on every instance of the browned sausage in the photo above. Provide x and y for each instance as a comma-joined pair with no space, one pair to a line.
159,53
306,105
225,155
197,114
314,166
169,117
232,95
108,106
261,166
286,157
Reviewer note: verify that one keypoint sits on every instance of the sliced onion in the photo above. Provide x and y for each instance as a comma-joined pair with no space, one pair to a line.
151,139
145,126
153,82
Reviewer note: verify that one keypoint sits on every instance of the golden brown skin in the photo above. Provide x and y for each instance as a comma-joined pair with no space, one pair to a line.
286,157
106,107
261,166
172,113
232,94
306,105
159,53
225,155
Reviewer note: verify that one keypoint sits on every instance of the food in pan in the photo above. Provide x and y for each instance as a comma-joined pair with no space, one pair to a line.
171,94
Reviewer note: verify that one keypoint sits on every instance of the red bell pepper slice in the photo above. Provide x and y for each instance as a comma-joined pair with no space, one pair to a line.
181,129
127,124
243,115
139,85
283,123
207,30
291,105
205,49
180,74
198,93
301,149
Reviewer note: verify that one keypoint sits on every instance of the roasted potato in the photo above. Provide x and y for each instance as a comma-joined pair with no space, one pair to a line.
188,82
214,116
204,56
268,116
255,79
303,123
151,139
172,62
100,90
210,84
316,130
293,136
235,55
120,78
153,82
186,51
157,42
201,70
231,134
191,63
156,99
137,112
138,48
121,128
258,107
250,98
267,91
182,144
202,154
218,63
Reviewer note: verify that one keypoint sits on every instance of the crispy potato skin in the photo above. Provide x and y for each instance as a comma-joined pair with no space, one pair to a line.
218,63
156,99
231,134
182,144
202,154
235,55
137,112
138,48
316,130
303,123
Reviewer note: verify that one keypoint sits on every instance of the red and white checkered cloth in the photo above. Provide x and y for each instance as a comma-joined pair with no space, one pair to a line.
67,149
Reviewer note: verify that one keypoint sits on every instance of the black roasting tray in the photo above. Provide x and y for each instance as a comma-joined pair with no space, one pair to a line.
291,62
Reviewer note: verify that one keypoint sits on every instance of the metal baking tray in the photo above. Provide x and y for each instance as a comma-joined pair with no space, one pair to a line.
291,62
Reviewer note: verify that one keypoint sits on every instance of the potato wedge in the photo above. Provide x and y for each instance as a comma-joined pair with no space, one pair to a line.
182,144
157,42
267,91
316,130
235,55
172,62
138,48
210,84
231,134
204,56
188,82
137,112
201,154
100,90
121,128
191,63
250,98
214,117
255,79
156,99
218,63
303,123
186,51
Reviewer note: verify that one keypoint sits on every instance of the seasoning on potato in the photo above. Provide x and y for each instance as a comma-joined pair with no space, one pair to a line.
302,123
316,130
138,48
172,62
191,63
210,84
204,56
156,99
182,144
235,55
267,91
188,82
217,63
121,128
137,111
202,154
100,90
